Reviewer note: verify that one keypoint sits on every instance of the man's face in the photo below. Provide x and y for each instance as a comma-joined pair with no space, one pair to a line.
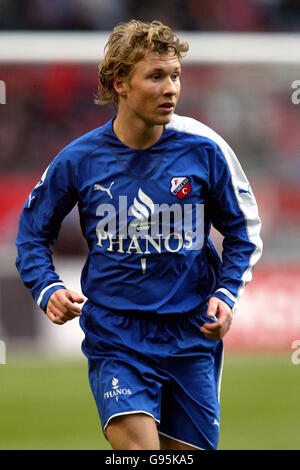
153,89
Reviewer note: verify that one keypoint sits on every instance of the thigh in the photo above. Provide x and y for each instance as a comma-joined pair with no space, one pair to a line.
166,443
133,432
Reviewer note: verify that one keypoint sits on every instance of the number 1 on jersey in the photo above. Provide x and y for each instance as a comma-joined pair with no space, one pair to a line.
143,264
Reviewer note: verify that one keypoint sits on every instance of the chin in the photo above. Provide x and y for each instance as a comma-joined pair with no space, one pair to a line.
162,120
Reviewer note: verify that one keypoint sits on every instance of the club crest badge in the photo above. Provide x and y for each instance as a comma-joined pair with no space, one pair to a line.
180,186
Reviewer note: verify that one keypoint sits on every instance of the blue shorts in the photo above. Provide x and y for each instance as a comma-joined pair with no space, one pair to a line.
159,365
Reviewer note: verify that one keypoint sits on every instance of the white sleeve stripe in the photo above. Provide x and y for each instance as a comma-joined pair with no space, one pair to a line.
227,293
39,300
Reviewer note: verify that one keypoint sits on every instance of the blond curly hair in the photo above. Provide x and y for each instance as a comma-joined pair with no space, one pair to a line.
126,46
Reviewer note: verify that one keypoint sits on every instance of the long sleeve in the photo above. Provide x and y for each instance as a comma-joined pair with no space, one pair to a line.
233,211
47,205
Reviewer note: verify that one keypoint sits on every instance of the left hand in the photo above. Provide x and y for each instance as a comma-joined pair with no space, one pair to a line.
223,313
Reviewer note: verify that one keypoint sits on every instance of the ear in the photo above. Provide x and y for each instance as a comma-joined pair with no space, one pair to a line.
120,87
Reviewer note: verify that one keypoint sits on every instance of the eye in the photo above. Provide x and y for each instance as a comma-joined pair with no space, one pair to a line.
156,76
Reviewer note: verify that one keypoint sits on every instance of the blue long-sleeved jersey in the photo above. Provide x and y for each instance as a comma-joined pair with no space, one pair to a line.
146,216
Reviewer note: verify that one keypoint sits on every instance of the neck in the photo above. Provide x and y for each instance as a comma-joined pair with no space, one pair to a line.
136,134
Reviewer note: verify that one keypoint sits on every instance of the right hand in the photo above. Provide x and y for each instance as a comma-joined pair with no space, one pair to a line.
62,306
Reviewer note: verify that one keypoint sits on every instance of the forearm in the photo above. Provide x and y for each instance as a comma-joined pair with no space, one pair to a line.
239,258
34,263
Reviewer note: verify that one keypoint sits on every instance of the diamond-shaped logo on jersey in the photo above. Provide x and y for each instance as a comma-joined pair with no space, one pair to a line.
180,186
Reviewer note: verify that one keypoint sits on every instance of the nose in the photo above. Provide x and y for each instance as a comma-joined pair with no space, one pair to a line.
171,87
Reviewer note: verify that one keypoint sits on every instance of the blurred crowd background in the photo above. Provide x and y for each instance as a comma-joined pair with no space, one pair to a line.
193,15
49,105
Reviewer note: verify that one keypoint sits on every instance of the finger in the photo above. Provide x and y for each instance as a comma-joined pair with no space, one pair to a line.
59,312
211,326
58,320
71,306
212,307
211,330
74,297
55,318
211,335
217,329
65,316
66,306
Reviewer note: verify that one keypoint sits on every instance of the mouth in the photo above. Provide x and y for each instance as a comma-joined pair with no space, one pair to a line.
168,106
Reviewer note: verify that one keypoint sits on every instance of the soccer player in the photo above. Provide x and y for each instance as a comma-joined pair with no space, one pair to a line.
149,184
